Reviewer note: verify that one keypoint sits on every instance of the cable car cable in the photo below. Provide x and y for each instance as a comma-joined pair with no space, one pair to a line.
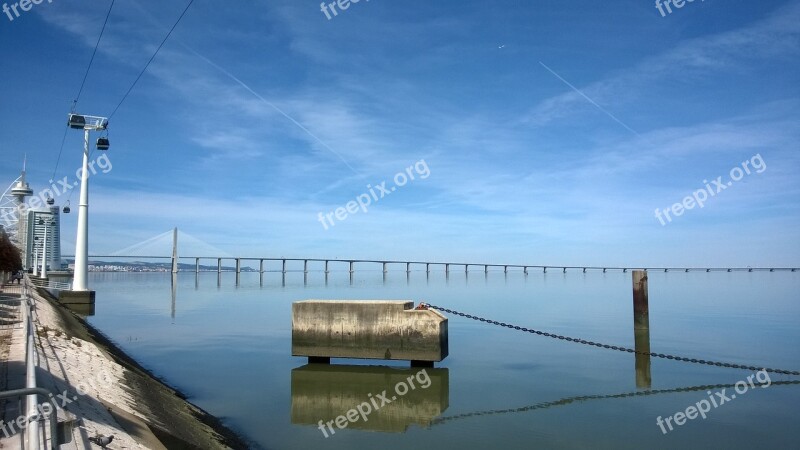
151,59
80,91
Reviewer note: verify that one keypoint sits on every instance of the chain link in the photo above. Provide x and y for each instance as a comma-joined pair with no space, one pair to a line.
614,347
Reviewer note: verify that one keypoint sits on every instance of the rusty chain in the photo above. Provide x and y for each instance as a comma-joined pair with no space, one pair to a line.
614,347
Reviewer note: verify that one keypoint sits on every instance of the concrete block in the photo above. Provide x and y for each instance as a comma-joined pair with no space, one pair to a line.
76,297
368,329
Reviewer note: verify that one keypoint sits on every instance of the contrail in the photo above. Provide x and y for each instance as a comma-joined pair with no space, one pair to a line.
258,96
590,100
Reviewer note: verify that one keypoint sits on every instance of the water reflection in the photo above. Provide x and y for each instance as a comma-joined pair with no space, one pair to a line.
585,398
83,310
324,392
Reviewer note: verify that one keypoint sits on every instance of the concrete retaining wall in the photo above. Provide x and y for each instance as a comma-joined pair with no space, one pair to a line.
369,329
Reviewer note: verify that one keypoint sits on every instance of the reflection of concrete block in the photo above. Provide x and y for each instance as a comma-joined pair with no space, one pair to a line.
368,329
321,392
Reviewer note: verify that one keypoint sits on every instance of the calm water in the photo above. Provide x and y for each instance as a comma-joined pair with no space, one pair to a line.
229,349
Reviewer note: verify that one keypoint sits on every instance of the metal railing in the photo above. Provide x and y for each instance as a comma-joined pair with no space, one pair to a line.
31,392
47,284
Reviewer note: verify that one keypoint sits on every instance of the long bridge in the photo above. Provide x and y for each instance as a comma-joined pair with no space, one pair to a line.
428,264
156,247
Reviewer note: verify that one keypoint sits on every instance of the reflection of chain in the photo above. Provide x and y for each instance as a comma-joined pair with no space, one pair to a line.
614,347
568,400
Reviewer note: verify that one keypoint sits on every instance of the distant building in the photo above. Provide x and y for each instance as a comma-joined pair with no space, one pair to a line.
51,219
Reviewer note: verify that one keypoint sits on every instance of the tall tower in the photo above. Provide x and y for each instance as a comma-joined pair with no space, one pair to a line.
38,220
21,190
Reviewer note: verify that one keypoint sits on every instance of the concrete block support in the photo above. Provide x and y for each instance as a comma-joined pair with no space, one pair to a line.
77,297
372,329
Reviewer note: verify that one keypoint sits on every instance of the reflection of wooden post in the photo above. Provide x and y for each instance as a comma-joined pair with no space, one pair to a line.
641,311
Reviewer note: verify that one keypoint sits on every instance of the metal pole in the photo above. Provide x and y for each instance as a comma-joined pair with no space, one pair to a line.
175,250
44,252
35,260
82,240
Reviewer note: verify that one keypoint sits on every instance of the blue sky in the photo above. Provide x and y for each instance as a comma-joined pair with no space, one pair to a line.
551,130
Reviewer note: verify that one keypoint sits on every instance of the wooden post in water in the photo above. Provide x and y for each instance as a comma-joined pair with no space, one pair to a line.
326,268
641,328
197,265
384,268
219,266
261,266
284,267
305,266
238,265
642,346
641,310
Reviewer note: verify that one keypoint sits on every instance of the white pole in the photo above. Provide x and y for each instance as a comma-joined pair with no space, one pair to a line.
44,252
82,240
35,260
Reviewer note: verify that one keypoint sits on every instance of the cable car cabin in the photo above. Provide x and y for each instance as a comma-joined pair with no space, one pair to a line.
102,143
76,121
50,200
66,210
